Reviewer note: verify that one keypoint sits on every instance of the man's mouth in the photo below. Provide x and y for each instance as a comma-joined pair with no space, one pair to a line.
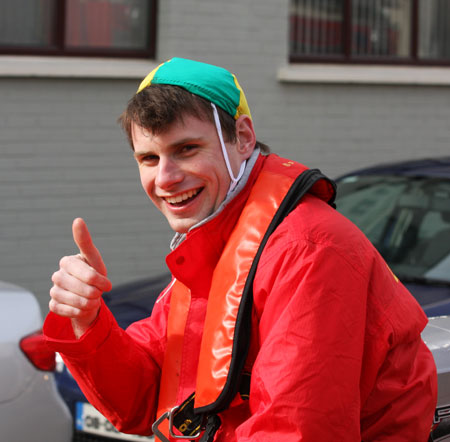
183,198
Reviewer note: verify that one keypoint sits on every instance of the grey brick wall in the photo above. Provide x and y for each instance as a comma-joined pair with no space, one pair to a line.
338,128
62,154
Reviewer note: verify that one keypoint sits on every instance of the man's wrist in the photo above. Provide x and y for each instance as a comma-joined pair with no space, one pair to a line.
80,327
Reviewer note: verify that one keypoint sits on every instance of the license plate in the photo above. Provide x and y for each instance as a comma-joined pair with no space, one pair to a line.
89,420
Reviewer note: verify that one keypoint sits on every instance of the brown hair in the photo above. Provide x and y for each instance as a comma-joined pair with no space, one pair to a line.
159,106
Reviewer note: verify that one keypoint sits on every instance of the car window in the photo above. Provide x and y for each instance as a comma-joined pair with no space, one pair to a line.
406,218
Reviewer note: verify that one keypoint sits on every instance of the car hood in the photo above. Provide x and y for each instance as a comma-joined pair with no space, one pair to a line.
434,299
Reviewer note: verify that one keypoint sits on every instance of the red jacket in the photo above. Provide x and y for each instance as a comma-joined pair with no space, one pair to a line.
337,336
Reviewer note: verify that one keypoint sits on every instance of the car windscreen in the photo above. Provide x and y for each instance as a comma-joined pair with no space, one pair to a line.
406,218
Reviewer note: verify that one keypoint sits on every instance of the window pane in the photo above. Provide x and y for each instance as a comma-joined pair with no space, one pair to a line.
26,22
316,27
115,24
434,29
406,218
381,28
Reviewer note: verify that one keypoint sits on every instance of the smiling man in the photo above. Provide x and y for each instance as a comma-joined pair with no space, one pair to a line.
281,323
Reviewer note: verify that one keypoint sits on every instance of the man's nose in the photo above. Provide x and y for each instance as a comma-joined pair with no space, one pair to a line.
168,174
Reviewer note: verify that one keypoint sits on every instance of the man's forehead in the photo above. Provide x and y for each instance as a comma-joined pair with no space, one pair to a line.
182,132
183,121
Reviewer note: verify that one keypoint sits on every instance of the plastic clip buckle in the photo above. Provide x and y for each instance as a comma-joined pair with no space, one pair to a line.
170,415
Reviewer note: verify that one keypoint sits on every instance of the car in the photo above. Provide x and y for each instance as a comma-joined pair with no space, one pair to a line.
404,210
129,302
437,336
31,408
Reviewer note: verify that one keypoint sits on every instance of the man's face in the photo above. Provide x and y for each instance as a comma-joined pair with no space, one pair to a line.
183,170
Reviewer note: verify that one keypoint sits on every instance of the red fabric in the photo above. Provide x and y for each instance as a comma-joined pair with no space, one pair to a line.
337,338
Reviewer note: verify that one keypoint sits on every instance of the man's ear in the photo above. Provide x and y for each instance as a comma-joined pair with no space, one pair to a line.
246,138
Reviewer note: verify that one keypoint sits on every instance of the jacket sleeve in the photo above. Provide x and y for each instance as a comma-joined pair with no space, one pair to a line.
311,303
117,370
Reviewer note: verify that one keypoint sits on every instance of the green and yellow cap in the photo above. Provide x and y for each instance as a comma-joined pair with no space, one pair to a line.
213,83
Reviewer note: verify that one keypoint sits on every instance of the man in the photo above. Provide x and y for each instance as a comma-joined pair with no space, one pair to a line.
310,316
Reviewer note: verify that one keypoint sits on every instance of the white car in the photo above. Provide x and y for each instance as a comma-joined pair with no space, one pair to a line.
31,409
437,336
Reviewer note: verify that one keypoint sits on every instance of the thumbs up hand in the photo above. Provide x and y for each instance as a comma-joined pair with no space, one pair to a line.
80,282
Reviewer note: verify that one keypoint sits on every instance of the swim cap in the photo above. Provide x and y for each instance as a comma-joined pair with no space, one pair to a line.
213,83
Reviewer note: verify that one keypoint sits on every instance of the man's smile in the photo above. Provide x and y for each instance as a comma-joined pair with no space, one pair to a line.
182,198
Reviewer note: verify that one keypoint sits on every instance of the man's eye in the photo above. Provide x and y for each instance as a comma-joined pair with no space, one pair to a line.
188,148
149,159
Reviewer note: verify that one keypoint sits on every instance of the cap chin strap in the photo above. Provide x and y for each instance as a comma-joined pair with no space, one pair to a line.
234,180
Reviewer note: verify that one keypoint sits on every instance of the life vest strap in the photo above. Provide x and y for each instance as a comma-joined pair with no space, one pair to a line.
184,419
191,424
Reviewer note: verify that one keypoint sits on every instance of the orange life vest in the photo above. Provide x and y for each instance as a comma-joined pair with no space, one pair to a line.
226,334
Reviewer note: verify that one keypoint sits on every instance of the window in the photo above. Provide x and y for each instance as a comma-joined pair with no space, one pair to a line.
358,31
78,27
406,218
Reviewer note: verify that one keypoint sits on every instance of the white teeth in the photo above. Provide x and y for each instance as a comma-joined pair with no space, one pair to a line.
182,197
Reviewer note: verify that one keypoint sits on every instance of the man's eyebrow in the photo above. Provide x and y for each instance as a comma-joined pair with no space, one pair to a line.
141,153
186,140
175,145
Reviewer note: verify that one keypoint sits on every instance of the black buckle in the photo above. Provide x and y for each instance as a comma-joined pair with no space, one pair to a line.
171,416
182,418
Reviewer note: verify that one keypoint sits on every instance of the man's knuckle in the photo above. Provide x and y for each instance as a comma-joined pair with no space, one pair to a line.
87,304
81,303
75,312
51,305
91,292
55,292
56,277
63,261
91,277
58,308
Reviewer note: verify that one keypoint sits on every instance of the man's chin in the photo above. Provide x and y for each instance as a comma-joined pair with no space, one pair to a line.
181,225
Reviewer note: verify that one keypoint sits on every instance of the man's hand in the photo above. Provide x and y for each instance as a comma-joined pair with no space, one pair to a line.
80,282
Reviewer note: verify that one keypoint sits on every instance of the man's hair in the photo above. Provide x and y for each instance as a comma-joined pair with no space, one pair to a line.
157,107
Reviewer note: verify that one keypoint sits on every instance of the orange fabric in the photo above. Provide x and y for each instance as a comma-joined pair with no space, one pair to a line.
176,323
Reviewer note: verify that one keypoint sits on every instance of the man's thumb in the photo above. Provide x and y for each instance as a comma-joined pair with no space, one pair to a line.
88,251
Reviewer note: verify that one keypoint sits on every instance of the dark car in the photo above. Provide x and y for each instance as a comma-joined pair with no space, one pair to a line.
404,209
128,302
